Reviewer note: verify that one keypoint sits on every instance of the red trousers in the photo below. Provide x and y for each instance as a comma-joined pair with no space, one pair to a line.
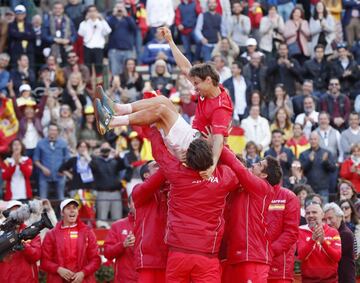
151,275
195,268
246,272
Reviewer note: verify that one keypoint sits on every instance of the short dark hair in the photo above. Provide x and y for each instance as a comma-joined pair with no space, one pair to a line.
82,142
238,64
205,70
355,113
273,170
293,11
199,155
302,187
317,46
277,131
145,169
22,146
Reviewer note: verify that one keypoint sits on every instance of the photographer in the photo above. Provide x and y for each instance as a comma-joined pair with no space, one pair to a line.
94,30
20,266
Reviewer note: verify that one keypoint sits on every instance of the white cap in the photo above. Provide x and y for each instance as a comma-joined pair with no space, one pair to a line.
13,203
20,9
24,87
66,202
251,41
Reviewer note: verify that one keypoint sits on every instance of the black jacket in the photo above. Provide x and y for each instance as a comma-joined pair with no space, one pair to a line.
16,37
319,73
346,269
298,104
348,82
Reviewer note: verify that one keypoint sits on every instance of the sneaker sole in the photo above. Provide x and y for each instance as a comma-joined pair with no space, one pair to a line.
100,94
101,129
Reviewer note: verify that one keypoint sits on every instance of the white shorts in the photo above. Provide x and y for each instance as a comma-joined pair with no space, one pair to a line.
180,136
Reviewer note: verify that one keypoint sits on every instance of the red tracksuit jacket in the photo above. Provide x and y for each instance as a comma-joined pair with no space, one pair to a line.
319,262
150,201
196,206
283,220
247,238
53,249
20,267
114,249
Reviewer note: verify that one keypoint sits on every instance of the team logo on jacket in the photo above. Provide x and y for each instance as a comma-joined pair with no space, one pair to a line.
212,179
277,204
73,234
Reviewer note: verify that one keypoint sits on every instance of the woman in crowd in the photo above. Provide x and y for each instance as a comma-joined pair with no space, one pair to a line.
298,143
297,35
88,131
296,176
334,7
16,171
161,78
281,99
67,125
351,217
350,168
347,191
131,81
322,29
283,122
75,94
256,99
56,73
251,154
302,191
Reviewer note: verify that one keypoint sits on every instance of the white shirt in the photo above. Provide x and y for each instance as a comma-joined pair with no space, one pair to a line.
160,12
257,130
31,137
307,127
240,97
17,183
94,32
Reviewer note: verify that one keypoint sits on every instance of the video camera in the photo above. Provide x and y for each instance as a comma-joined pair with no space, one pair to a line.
10,239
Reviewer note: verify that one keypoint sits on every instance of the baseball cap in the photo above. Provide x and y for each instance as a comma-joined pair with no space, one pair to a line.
251,41
68,201
24,87
13,203
20,9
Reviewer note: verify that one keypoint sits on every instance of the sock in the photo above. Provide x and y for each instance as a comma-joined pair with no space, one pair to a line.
123,109
118,121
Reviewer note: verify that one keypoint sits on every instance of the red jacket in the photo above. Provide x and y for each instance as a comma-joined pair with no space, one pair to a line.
8,170
319,262
114,249
283,220
196,206
150,201
20,267
53,250
248,240
353,177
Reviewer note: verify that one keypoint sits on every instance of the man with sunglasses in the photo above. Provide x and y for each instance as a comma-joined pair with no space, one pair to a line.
74,66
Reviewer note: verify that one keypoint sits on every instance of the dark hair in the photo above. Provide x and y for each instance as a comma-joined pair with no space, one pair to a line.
250,143
145,169
205,70
199,155
82,142
277,131
238,64
309,201
354,214
260,97
57,3
301,126
347,182
325,113
22,146
52,124
316,15
293,11
272,7
317,46
273,170
89,7
355,113
302,187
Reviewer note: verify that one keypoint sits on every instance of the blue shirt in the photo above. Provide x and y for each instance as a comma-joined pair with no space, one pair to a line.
4,80
51,156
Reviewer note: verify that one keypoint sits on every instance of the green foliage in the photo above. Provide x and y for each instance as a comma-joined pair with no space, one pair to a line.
104,274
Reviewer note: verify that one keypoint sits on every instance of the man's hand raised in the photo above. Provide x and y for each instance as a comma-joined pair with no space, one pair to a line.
166,33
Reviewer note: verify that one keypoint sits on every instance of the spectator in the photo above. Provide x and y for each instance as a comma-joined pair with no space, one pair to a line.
351,135
298,100
157,49
187,104
121,43
271,31
329,137
20,265
355,50
22,74
106,171
297,35
159,14
5,21
131,80
256,99
318,70
337,104
185,20
298,143
37,22
56,73
310,117
281,100
237,88
75,94
280,152
94,29
49,154
255,74
87,131
334,218
284,70
221,67
227,49
70,251
73,66
314,198
75,10
322,29
119,245
251,154
59,32
16,171
351,217
238,26
296,175
208,29
347,191
335,9
21,37
161,78
318,264
345,69
67,125
257,129
251,48
283,123
350,168
302,191
351,20
255,13
318,164
4,74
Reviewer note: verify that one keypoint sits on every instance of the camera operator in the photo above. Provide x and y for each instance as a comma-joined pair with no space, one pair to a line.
20,266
